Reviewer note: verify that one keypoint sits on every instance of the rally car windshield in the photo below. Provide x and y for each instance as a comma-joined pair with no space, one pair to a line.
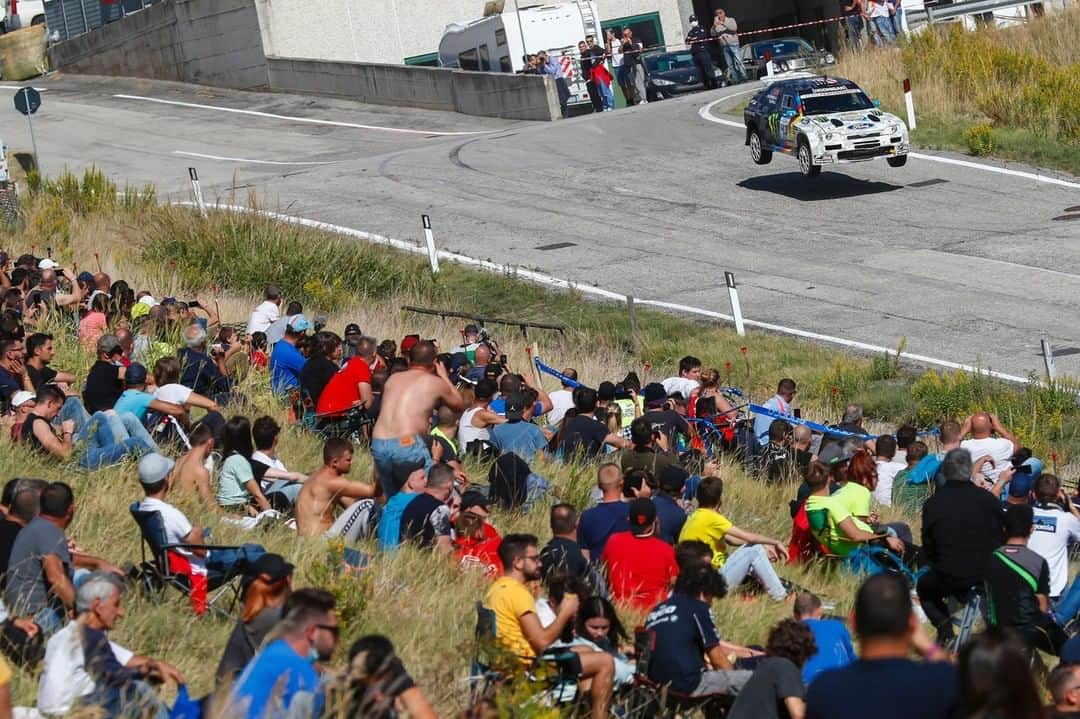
783,47
820,104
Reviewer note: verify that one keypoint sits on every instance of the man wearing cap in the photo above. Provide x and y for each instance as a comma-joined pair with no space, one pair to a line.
22,404
136,401
669,512
645,454
352,337
641,567
661,416
961,528
156,477
286,362
515,435
562,399
39,354
698,40
105,381
267,312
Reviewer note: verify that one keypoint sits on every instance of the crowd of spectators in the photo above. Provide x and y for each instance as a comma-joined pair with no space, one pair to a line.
654,541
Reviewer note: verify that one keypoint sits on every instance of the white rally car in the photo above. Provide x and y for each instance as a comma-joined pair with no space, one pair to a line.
822,121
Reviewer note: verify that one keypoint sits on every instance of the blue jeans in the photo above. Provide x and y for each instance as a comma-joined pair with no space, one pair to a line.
109,437
134,700
73,409
736,71
606,95
535,488
395,459
855,28
223,563
885,29
752,558
1068,605
898,21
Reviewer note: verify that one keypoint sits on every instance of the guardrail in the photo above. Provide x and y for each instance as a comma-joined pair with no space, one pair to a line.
69,18
938,13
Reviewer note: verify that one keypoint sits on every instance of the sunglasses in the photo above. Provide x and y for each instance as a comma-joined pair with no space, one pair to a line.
332,628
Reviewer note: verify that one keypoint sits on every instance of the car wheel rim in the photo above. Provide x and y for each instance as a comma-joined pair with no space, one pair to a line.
755,147
804,159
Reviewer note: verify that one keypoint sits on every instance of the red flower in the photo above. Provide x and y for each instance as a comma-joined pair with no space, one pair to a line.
835,390
743,350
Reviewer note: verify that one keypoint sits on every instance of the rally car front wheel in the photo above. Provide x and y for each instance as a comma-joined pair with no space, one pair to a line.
806,160
898,161
758,153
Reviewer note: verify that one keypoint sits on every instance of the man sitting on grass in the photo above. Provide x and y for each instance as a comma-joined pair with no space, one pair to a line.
517,626
329,488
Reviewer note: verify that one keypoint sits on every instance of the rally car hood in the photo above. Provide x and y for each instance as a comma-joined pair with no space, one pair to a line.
854,121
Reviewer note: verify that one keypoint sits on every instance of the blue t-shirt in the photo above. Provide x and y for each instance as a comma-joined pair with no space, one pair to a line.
134,401
498,406
8,385
278,672
390,521
884,689
285,365
682,630
834,648
600,522
524,439
201,373
672,517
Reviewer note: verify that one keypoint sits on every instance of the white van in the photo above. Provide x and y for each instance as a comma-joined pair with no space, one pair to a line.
23,13
499,41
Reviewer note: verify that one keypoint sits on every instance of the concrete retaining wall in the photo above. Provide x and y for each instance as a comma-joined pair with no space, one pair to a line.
489,94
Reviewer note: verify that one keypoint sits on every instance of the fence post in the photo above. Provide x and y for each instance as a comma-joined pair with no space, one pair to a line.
433,254
736,308
1048,360
633,323
909,101
196,189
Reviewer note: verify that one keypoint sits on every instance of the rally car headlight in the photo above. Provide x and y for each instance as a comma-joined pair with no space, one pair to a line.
893,129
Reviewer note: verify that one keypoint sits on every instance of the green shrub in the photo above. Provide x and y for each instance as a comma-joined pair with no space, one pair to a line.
980,139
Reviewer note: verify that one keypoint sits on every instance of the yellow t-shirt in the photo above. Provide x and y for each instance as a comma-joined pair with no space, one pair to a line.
709,526
836,512
855,497
511,600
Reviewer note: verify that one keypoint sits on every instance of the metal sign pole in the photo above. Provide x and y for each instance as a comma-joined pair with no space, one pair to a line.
33,142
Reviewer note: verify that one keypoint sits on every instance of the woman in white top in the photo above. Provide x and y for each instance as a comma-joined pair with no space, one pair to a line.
476,420
169,389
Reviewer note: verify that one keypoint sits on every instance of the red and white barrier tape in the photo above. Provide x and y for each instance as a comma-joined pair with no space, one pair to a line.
838,18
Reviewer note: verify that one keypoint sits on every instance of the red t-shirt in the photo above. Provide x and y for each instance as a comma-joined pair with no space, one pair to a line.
481,553
640,569
341,392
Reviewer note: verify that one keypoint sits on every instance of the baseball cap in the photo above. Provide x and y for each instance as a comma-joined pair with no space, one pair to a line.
472,498
606,391
108,344
154,467
299,323
48,264
147,300
407,343
515,406
673,478
135,374
1020,485
654,393
834,454
20,398
85,276
352,329
1036,465
642,513
273,566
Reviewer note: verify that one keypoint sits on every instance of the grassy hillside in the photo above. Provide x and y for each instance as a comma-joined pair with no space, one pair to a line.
423,603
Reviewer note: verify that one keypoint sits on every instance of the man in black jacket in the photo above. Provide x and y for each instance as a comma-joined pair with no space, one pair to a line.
961,528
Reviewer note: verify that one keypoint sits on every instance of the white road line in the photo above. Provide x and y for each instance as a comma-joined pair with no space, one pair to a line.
706,114
291,118
247,161
549,281
19,87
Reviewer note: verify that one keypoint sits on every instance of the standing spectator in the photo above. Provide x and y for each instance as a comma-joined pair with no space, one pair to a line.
1000,449
852,10
613,41
1018,586
781,402
39,354
882,20
587,63
896,10
563,553
286,362
267,313
640,566
776,690
831,637
726,31
609,516
563,399
883,678
599,74
682,634
548,66
281,679
754,552
698,40
887,468
961,528
633,64
105,381
263,602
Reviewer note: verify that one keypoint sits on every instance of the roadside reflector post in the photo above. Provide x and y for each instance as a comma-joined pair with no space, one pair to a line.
433,254
769,67
909,101
1048,359
736,308
633,323
196,189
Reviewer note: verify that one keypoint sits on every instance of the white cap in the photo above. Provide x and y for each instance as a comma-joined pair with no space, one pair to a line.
148,300
20,398
48,264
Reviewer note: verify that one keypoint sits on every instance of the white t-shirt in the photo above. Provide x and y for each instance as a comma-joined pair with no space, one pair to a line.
886,473
177,528
1054,529
561,401
263,316
173,393
682,385
879,9
64,678
616,53
999,448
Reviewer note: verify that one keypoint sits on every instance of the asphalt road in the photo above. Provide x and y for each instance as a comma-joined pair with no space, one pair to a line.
970,266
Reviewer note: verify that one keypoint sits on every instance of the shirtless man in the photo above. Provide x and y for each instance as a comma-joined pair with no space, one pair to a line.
327,488
190,475
408,401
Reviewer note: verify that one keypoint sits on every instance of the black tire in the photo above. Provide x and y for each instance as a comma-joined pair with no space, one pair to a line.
806,160
898,161
758,153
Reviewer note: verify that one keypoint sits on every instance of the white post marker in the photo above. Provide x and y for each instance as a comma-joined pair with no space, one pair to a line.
769,67
1048,359
196,189
909,101
736,308
433,254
